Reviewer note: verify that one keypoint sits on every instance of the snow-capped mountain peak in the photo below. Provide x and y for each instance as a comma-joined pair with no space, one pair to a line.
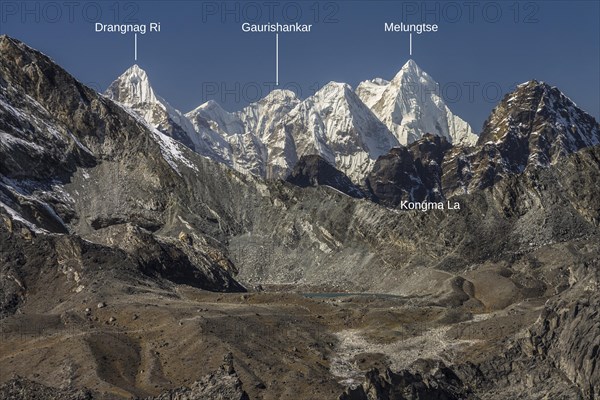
412,67
379,81
335,86
279,95
133,90
540,124
412,74
132,87
370,91
334,124
333,93
262,116
410,106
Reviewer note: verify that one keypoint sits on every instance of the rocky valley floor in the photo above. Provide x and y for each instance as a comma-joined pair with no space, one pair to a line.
283,345
142,341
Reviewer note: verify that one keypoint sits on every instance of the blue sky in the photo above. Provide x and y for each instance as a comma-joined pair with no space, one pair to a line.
482,48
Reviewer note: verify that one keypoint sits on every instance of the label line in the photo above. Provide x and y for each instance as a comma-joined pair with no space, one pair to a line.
410,43
277,59
135,47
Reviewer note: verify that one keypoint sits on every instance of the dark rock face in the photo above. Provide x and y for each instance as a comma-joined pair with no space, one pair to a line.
313,170
31,262
532,127
568,335
411,173
180,261
36,263
549,122
395,178
24,153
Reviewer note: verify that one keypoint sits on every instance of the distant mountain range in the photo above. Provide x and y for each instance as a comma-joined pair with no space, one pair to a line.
349,129
397,139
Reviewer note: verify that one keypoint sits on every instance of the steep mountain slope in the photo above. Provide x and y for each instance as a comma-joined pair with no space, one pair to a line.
410,106
221,121
371,91
247,153
86,148
133,89
550,122
262,117
536,125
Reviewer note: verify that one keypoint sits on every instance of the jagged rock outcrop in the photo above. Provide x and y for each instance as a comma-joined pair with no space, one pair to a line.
532,127
549,123
313,170
411,173
20,388
224,384
437,383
